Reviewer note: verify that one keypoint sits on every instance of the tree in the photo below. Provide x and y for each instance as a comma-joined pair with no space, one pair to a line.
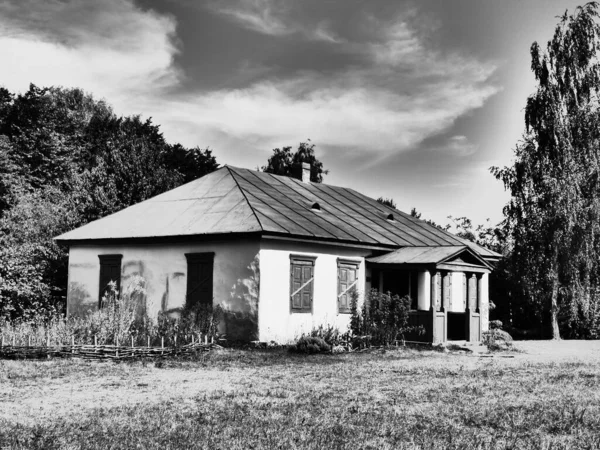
66,159
553,217
387,202
284,162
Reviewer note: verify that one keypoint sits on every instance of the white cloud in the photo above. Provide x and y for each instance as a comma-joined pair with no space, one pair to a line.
403,93
273,18
110,48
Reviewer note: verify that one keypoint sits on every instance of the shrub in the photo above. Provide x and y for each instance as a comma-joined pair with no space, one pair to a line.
310,345
495,324
497,339
383,318
330,334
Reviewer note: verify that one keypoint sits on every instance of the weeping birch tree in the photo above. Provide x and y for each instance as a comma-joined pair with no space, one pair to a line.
553,216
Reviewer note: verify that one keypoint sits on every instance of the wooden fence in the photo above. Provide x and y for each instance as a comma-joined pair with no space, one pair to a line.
107,352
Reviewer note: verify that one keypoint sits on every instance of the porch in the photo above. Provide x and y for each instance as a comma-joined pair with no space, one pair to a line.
447,286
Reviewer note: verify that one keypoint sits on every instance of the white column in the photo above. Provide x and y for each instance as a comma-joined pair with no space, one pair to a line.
484,301
424,292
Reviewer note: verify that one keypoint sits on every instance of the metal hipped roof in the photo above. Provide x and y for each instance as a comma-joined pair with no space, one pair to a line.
426,255
233,200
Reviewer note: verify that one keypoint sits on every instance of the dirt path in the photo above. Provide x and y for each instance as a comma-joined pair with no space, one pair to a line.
559,351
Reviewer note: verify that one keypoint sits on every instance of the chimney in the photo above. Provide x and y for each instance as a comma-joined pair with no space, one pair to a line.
302,172
305,172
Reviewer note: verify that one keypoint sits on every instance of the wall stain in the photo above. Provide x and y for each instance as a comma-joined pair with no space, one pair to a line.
79,301
240,311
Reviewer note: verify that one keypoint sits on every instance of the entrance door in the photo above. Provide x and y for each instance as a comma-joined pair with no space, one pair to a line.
199,280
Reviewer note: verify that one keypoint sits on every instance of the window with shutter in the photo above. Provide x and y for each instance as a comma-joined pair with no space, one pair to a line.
110,270
347,281
199,279
302,273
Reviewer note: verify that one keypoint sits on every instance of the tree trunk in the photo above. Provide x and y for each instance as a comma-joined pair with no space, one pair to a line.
554,309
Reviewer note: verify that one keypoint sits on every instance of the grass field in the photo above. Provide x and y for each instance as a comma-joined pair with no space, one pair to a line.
546,397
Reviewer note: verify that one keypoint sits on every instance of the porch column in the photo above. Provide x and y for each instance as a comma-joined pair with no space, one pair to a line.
424,291
433,291
479,292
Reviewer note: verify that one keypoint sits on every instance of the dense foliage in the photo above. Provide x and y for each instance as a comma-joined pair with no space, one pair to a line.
284,162
553,218
382,319
67,159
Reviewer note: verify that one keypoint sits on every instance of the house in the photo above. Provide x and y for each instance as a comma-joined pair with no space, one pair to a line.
280,255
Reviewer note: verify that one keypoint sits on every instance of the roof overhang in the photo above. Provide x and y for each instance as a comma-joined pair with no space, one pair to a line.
453,258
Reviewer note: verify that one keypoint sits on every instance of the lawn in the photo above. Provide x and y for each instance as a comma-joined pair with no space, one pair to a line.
545,397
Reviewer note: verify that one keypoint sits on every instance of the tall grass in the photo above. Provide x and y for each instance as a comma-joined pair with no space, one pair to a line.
121,319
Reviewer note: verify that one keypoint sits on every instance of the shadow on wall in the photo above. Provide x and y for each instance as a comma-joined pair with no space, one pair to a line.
240,311
80,303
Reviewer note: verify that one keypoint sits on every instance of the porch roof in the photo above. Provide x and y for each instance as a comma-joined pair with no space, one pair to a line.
450,254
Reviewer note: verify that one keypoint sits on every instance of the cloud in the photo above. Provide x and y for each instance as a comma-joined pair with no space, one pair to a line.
457,146
273,18
111,48
399,94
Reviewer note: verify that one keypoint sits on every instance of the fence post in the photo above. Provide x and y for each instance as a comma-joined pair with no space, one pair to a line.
148,341
132,346
117,346
206,339
72,344
162,345
29,341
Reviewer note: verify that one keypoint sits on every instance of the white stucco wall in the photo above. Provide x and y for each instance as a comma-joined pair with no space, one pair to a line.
276,321
456,305
164,268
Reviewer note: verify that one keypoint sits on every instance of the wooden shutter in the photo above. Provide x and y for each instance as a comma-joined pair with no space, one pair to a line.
302,272
347,279
110,270
199,279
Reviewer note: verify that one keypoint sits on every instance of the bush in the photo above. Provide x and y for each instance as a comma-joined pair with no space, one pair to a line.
310,345
383,318
497,339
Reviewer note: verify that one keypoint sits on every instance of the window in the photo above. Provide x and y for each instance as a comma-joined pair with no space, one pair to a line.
347,279
110,270
302,273
199,279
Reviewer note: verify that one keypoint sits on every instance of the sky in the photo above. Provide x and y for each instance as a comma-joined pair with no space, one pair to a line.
409,100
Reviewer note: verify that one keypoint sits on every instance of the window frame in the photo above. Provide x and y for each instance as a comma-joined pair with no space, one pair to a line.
302,261
347,264
106,261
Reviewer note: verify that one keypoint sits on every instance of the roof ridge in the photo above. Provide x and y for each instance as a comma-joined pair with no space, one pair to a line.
232,173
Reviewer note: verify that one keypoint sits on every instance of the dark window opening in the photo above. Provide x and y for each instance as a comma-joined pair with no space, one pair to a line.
110,270
316,207
199,280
